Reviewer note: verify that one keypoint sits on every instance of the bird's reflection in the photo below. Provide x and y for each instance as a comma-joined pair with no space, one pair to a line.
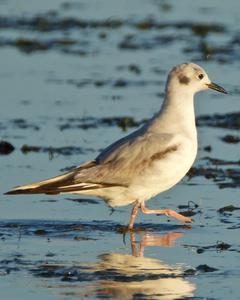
138,276
124,276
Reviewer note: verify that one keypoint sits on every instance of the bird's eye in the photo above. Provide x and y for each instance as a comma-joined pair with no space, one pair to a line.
200,76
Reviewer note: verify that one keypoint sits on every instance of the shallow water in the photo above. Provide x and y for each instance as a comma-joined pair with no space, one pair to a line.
78,75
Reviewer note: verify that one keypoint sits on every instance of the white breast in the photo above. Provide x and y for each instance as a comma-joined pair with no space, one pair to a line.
166,172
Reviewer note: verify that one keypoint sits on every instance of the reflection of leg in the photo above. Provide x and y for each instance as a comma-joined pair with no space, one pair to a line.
166,240
167,212
133,216
133,244
149,240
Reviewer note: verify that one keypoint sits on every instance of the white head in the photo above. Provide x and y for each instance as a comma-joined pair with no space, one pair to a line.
190,78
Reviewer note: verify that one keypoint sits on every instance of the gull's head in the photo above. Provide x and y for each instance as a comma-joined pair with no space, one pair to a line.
191,78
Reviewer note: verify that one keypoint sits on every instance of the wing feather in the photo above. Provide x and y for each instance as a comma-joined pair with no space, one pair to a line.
117,165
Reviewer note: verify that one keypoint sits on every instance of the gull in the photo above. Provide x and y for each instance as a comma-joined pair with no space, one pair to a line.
146,162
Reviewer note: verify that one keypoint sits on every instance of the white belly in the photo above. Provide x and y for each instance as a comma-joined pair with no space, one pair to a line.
164,173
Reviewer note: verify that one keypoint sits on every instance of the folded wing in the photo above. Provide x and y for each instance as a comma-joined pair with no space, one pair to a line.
117,165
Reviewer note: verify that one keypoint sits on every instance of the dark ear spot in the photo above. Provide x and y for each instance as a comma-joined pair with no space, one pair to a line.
183,79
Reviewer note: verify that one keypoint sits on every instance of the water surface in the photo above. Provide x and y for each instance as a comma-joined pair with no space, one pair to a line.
74,77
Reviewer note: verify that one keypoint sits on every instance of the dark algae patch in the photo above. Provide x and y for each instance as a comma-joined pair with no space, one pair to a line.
220,162
218,171
203,30
28,46
117,83
228,209
189,210
23,124
205,268
222,246
6,148
48,23
88,123
219,246
231,139
67,150
228,121
40,232
19,123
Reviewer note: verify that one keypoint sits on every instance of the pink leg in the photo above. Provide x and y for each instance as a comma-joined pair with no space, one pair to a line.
167,212
133,216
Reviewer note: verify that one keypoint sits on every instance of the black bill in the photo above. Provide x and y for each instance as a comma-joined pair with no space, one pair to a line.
216,87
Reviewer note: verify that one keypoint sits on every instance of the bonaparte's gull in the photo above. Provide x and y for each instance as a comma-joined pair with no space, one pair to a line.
146,162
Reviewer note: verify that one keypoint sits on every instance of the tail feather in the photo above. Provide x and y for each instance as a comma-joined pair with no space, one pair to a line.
40,187
50,189
55,185
53,190
59,185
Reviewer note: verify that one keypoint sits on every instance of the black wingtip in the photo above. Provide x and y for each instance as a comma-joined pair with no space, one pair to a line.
14,192
30,192
19,191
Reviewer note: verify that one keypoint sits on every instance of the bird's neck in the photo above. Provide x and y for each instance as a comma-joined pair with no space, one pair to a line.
176,115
